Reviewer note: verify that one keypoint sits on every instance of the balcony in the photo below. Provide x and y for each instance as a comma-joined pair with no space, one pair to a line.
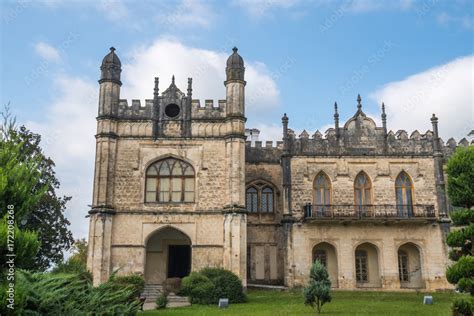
369,212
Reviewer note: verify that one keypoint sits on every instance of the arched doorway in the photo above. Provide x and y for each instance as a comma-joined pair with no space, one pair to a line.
326,254
409,266
168,255
367,266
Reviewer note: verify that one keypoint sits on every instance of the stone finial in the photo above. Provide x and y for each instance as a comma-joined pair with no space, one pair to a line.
190,86
172,80
336,119
434,122
359,100
111,68
284,119
235,69
156,89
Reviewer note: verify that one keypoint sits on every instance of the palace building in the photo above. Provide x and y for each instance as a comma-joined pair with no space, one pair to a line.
180,185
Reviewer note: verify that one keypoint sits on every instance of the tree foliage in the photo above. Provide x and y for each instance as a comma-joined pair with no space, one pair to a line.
460,169
28,181
318,291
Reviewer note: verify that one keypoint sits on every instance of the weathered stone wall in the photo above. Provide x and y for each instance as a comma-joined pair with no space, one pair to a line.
387,238
342,172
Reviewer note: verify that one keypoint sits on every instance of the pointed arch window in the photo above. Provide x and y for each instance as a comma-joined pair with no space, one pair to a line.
322,193
321,256
403,266
260,198
362,273
363,193
170,180
404,194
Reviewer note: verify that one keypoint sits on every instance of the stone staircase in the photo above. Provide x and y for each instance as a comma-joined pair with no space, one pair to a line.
152,291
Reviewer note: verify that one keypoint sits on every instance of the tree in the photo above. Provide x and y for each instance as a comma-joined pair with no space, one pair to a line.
77,262
460,170
318,291
37,206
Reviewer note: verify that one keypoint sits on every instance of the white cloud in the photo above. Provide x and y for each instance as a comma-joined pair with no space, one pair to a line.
167,57
114,10
258,8
187,13
47,52
377,5
68,138
445,19
446,90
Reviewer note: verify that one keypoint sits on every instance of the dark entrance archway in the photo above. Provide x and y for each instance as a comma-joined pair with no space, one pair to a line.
168,255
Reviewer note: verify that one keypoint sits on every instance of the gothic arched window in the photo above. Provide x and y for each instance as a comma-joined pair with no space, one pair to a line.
404,194
322,193
260,197
362,273
170,180
403,266
252,200
362,192
321,256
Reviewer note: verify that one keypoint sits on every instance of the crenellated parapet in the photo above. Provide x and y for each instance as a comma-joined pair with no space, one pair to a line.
135,111
270,152
210,110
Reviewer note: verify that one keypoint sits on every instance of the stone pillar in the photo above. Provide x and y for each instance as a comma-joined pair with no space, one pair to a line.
286,168
235,245
438,170
99,252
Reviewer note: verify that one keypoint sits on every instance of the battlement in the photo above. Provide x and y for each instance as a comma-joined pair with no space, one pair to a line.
210,110
257,152
136,110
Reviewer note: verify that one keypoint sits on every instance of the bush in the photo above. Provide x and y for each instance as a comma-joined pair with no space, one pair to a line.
226,283
71,294
161,301
210,284
134,280
462,307
198,287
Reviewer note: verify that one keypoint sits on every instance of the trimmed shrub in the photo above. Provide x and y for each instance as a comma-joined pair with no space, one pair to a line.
161,301
210,284
226,285
198,287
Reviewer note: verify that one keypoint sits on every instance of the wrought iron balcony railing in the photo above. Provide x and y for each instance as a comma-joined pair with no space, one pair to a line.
379,211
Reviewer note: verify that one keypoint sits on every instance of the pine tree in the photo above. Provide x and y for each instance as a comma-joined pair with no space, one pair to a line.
318,291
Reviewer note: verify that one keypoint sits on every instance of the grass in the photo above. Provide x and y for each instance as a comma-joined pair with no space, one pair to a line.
272,303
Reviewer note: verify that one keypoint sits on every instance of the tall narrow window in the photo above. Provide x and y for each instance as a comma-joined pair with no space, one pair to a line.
321,256
322,194
361,266
267,200
403,266
363,193
252,200
170,180
404,195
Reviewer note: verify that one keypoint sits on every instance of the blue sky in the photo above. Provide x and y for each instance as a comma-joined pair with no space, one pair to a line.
301,56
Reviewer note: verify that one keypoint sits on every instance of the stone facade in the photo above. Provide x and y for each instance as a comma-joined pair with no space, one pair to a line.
255,209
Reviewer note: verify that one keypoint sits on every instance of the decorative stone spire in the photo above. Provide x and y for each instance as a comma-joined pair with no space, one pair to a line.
359,99
156,89
384,118
190,86
336,120
172,80
434,122
235,69
111,68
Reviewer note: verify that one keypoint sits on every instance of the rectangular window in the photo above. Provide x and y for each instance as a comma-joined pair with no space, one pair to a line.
176,186
150,190
164,190
189,190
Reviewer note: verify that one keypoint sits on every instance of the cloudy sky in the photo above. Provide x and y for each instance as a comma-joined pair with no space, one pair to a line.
301,57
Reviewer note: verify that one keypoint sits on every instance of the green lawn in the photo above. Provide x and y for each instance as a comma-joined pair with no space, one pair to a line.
344,303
